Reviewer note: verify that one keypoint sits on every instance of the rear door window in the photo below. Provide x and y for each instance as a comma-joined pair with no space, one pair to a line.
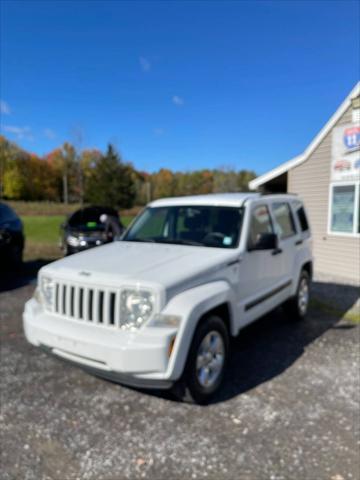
284,222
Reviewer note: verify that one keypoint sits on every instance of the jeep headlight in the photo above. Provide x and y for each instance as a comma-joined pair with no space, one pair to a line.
47,290
73,241
136,308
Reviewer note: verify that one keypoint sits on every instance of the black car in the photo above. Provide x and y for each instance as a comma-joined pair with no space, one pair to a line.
11,237
90,227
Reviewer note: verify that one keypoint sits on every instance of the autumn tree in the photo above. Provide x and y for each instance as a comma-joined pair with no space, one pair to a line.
9,178
28,177
104,178
244,177
63,164
162,183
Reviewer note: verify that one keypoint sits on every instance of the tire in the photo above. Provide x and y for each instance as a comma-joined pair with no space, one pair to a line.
199,383
297,306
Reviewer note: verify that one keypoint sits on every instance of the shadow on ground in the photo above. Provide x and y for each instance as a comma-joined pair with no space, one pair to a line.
12,278
271,345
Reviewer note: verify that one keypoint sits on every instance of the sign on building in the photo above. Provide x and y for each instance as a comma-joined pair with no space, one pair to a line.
345,162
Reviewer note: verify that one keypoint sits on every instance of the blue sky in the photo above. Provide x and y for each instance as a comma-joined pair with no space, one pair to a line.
182,85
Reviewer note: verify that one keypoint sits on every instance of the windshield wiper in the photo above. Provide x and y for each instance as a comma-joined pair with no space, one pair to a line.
145,240
178,241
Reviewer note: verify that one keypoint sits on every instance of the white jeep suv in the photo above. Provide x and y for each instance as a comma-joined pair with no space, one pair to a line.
157,308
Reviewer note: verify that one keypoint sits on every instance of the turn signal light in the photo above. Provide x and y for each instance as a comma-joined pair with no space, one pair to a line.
171,346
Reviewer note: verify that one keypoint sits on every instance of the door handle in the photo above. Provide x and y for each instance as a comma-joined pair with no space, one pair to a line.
298,242
277,251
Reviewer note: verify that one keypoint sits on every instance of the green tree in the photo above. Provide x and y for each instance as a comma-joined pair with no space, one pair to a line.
13,182
111,182
244,177
225,180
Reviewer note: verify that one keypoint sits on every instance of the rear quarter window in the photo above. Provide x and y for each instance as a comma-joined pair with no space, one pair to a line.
301,215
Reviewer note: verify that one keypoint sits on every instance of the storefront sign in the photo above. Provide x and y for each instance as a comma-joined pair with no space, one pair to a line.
345,162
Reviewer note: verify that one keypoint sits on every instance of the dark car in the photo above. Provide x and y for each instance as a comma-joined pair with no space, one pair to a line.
11,237
90,227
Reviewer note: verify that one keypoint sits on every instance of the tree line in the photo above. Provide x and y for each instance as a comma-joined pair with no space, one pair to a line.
91,176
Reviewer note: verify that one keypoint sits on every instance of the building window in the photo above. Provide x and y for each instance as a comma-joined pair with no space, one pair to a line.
345,214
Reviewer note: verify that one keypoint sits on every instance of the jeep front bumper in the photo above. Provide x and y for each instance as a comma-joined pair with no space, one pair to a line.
139,358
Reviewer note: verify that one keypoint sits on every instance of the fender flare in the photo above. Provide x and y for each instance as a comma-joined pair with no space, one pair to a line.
192,304
299,270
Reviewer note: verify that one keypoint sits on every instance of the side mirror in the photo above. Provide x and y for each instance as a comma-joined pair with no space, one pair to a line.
266,241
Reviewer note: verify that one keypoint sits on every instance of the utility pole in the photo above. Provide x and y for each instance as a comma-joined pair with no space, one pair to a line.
65,187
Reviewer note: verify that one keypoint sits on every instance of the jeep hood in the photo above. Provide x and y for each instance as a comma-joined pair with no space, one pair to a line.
137,263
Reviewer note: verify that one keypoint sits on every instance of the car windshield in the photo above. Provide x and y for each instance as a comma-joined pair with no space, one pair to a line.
205,226
89,218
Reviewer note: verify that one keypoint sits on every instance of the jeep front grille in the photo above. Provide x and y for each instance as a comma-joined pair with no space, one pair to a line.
96,305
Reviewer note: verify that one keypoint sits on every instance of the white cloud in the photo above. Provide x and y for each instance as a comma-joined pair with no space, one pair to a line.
178,101
21,133
4,108
159,131
145,64
50,134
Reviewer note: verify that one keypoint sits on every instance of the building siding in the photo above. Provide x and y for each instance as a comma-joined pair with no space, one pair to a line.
334,254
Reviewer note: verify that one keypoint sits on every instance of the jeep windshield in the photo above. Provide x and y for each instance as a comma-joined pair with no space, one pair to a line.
205,226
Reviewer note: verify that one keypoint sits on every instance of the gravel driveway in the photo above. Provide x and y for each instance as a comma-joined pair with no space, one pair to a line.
289,410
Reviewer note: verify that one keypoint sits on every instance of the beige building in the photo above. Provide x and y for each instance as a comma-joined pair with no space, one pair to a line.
327,177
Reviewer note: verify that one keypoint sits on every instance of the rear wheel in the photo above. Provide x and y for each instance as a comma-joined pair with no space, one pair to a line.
206,362
298,305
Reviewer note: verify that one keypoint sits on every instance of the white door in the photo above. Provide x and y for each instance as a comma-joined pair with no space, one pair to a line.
260,271
284,225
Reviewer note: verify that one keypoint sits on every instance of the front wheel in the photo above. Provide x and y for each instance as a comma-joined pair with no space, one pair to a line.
206,362
298,305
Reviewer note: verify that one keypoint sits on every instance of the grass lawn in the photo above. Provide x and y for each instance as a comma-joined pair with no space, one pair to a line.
42,235
24,209
353,314
42,229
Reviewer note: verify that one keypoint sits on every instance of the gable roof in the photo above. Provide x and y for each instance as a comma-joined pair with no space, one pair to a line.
285,167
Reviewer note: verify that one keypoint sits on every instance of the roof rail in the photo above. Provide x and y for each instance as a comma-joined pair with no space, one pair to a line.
264,194
251,195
